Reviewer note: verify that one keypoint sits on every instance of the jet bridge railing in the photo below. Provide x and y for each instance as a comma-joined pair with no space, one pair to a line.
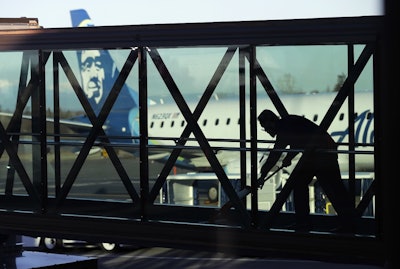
73,156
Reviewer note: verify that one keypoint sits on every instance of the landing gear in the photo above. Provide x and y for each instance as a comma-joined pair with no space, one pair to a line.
213,193
109,246
50,244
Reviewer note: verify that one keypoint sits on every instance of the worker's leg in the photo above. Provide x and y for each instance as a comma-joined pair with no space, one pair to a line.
301,195
329,176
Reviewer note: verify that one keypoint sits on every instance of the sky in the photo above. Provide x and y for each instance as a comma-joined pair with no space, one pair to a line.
55,14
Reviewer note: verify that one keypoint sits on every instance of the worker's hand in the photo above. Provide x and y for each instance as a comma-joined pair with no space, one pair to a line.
260,183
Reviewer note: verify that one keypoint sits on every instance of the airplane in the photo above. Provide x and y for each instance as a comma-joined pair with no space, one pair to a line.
222,130
166,118
220,119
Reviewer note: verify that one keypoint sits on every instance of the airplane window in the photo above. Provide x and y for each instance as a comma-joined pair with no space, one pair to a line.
152,124
228,120
369,115
341,116
172,123
162,124
216,121
204,122
315,117
182,123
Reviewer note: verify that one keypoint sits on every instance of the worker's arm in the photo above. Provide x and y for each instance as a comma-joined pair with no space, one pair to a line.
273,158
287,161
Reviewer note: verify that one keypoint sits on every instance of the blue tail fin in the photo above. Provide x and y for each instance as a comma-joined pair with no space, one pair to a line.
98,74
80,18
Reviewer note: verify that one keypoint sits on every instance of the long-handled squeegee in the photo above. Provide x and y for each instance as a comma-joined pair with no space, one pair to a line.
268,177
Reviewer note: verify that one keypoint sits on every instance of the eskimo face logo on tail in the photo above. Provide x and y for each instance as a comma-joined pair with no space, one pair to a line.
93,74
97,75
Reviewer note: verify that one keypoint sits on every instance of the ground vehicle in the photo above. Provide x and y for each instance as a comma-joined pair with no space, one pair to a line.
51,244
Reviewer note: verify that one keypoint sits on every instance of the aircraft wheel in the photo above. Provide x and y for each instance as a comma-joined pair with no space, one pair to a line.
50,244
109,246
213,194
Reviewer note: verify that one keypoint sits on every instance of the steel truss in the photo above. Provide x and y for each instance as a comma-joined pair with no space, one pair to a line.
142,220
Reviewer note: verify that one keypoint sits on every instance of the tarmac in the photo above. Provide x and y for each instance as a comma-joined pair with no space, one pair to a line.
161,257
38,260
158,257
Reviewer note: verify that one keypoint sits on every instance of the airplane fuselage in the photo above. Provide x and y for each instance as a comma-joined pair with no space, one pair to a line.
220,122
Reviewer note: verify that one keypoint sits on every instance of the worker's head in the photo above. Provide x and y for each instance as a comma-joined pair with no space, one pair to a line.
268,120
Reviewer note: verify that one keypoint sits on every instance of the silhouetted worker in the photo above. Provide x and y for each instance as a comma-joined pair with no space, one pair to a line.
321,161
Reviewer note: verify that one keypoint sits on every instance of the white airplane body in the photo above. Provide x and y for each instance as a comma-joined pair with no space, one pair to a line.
220,121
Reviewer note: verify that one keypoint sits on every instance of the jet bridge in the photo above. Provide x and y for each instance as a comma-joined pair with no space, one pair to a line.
55,182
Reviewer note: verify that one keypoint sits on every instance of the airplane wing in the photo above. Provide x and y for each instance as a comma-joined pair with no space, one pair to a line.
71,124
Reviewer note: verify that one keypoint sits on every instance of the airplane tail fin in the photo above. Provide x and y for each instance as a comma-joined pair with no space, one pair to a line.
98,74
80,18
